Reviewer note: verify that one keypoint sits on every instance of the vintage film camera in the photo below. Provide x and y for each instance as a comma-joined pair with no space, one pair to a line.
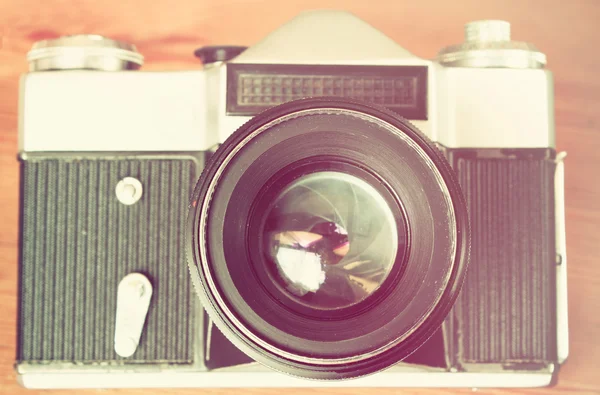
327,237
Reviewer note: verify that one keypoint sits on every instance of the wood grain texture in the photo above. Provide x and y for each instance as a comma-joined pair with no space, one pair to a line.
167,32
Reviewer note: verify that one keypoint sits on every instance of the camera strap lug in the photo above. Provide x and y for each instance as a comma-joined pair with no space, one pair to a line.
562,321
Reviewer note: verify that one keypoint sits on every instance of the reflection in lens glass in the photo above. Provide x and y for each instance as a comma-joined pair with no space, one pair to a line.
331,239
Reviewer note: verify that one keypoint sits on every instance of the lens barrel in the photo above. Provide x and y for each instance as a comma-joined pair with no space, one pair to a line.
327,238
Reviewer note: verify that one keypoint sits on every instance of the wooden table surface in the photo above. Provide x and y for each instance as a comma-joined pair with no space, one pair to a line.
167,32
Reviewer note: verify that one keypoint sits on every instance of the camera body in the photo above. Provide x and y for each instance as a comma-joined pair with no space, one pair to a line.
109,157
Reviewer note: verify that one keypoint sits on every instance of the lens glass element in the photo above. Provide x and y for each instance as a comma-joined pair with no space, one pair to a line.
331,240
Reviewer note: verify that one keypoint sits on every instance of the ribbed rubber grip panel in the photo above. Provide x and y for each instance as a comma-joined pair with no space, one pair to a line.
78,241
506,311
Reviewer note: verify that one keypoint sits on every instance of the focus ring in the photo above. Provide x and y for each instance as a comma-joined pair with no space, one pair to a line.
204,198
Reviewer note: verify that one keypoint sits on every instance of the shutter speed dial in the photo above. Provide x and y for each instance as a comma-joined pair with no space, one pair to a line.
488,44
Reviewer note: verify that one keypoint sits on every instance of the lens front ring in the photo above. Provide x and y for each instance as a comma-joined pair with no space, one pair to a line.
200,260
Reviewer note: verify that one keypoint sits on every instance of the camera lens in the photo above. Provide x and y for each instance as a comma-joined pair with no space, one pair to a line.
331,240
327,238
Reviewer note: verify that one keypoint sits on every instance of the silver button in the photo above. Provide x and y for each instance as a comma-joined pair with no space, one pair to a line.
129,190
